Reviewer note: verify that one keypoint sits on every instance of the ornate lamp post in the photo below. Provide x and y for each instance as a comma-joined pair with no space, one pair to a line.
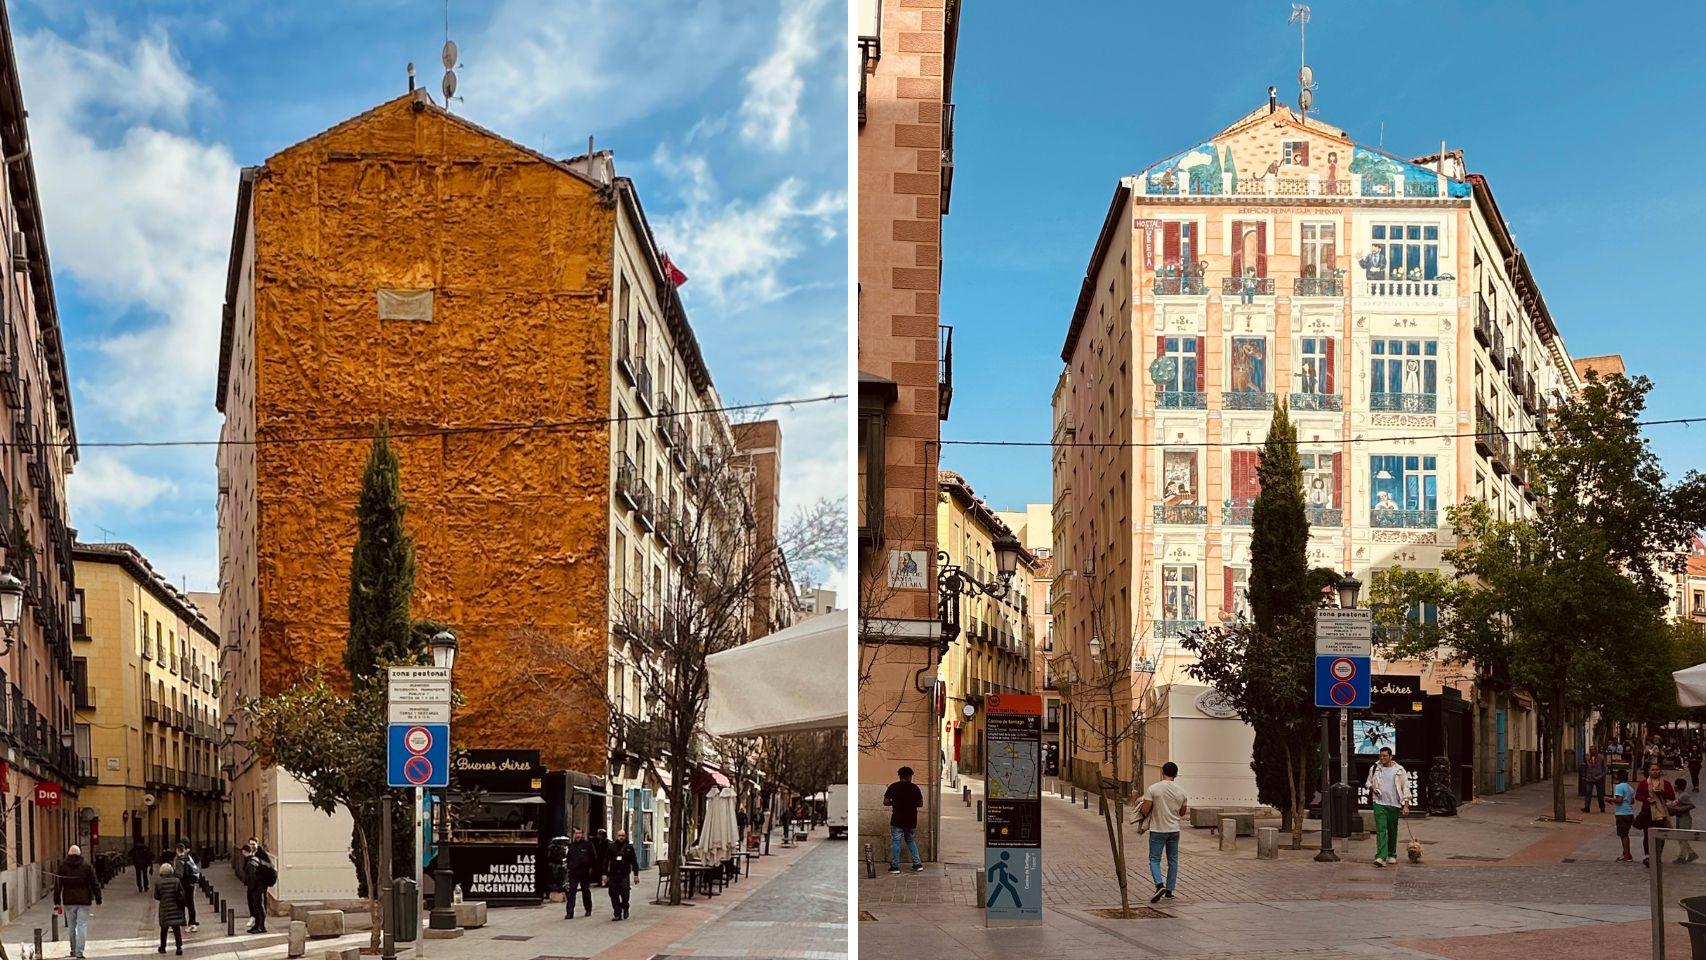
443,917
11,608
952,581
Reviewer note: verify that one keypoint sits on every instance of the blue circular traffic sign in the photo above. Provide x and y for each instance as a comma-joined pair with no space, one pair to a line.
417,769
1341,693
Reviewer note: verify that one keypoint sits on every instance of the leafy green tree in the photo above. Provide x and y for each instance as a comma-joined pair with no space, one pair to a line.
1567,606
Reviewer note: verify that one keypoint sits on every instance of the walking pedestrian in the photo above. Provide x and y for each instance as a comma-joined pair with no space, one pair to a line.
622,869
1165,806
1682,817
582,862
76,889
142,859
189,874
172,895
904,798
1693,756
258,875
1593,781
1623,800
1653,798
1389,793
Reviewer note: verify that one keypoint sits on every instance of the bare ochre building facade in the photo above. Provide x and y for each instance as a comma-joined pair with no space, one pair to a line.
905,167
1385,302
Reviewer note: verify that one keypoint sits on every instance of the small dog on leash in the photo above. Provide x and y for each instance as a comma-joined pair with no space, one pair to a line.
1414,850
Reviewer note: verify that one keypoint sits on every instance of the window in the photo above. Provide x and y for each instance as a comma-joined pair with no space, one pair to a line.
1178,592
1315,365
1185,374
1248,365
1404,491
1318,249
1235,600
1245,485
1404,251
1699,602
145,647
1179,477
1249,248
1181,244
1321,486
1296,153
1403,375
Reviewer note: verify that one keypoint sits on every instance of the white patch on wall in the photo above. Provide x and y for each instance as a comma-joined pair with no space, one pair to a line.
405,304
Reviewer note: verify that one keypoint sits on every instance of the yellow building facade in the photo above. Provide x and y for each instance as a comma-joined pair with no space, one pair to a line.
147,698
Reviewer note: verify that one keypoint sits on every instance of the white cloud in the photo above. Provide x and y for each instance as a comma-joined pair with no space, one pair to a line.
734,250
102,117
550,73
774,85
102,480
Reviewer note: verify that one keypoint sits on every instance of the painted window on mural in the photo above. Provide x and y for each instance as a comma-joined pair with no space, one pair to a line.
1403,366
1181,245
1187,369
1235,600
1297,152
1178,477
1249,365
1318,249
1249,248
1178,592
1315,365
1403,483
1245,483
1320,479
1402,251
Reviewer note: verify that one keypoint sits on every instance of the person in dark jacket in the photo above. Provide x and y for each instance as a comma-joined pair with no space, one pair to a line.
581,868
620,871
258,875
173,897
189,874
142,859
601,850
76,888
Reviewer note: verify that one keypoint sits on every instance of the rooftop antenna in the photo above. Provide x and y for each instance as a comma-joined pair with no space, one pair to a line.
106,535
1381,143
1305,76
447,56
411,76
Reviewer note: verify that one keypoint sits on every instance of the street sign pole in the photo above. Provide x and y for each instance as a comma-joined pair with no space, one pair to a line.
1326,855
1344,648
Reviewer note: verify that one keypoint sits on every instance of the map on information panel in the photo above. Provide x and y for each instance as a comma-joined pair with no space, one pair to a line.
1012,770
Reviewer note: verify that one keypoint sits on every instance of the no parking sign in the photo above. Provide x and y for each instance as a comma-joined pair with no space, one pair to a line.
418,755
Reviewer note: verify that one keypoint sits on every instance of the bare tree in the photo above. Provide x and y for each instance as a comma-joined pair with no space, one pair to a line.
881,703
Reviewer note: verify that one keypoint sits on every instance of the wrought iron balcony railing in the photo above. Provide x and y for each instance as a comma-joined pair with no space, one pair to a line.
1238,513
1403,519
1247,286
1246,400
1403,402
1181,399
1318,402
1325,516
1181,285
1181,513
1318,287
1176,628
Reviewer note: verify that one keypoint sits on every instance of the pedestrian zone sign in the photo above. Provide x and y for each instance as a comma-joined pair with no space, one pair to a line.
417,755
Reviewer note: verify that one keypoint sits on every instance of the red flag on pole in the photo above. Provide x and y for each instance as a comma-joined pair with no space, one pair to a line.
670,270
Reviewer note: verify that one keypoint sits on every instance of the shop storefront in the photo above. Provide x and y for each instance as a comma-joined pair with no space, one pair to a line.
1430,734
502,822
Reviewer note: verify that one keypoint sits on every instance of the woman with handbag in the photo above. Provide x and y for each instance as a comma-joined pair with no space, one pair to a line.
1653,799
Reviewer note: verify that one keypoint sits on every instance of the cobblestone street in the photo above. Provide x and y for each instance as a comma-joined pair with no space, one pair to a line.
1495,881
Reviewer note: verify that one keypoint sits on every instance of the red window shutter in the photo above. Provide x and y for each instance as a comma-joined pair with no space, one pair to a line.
1160,351
1226,593
1170,243
1302,155
1327,379
1200,386
1262,248
1338,480
1331,248
1238,248
1245,483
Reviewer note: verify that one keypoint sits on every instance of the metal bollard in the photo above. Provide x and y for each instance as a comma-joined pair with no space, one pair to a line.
1086,798
870,863
980,811
230,922
38,941
967,794
53,923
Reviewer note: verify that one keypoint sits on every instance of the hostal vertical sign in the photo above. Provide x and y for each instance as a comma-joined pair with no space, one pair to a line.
1013,814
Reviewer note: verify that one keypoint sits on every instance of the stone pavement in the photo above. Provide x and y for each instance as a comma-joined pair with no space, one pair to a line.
747,919
1494,882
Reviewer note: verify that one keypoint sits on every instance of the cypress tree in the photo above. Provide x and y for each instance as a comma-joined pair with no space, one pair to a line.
382,569
1279,545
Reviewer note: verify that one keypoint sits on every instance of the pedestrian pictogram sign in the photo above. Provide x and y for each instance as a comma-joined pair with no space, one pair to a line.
418,755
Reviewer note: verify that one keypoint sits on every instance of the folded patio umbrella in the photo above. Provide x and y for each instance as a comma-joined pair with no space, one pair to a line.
1691,686
794,679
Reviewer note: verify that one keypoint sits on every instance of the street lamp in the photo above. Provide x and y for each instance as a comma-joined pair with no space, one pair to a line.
11,607
952,581
443,645
1348,587
230,727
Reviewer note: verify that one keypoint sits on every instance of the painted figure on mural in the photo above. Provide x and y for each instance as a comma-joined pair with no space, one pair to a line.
1248,363
1332,172
1383,501
1179,477
1319,494
1412,375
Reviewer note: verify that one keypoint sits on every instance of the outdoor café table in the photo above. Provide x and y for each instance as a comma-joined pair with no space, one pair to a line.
697,870
750,856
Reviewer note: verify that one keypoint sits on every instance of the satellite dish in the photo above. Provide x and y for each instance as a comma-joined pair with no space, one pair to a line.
448,55
1305,77
449,85
1306,100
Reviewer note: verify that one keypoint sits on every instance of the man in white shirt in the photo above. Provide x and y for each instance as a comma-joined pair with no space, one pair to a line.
1389,791
1165,807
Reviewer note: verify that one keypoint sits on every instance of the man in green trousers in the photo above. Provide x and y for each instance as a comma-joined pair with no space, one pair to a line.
1389,792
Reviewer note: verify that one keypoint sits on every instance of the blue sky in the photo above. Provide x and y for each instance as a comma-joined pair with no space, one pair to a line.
731,117
1583,118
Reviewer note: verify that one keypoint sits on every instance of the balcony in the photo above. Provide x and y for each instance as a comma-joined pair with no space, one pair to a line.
1436,288
1325,516
1181,399
624,352
1175,628
666,416
944,369
627,481
643,505
643,387
1246,400
1404,519
87,771
1237,513
1318,287
627,612
1171,282
947,155
1402,402
665,520
1181,513
1483,321
1496,352
1247,286
1317,402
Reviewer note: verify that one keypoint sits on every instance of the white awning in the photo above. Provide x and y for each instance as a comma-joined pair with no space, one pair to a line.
794,679
1691,686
